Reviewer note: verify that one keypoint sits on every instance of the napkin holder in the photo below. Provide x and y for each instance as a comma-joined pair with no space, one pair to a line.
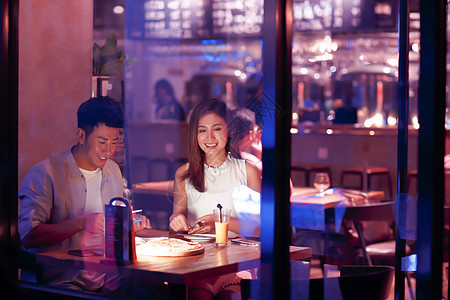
120,247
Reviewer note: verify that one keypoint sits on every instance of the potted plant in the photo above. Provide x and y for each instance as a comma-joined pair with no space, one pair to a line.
107,66
108,60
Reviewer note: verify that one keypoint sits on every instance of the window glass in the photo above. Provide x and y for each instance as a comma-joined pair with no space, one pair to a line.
160,58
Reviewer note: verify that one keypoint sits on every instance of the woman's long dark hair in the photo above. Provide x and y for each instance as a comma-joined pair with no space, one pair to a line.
164,84
196,157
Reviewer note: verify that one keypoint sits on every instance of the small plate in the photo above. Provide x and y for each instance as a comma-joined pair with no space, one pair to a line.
198,237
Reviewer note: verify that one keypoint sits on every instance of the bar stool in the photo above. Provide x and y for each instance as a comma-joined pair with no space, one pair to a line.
309,170
176,163
159,169
371,171
413,174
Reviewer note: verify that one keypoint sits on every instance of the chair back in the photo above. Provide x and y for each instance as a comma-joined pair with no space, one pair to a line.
32,291
370,212
370,222
366,282
160,169
355,282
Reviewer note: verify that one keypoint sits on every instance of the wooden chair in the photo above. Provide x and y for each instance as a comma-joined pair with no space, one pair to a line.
412,176
382,247
176,163
30,269
139,169
354,282
33,291
160,169
310,170
382,251
371,172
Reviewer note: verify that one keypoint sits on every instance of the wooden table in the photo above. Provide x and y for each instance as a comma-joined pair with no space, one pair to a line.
316,217
306,195
308,209
175,270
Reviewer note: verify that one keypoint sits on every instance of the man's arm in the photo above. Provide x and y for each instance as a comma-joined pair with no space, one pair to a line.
44,234
51,234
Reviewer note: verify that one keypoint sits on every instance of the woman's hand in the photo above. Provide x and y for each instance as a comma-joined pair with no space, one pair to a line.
141,222
178,222
209,225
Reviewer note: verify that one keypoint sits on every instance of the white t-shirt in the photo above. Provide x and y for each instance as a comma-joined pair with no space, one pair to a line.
94,203
219,184
88,278
93,196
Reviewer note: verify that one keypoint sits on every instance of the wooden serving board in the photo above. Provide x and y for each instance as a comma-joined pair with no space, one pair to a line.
149,250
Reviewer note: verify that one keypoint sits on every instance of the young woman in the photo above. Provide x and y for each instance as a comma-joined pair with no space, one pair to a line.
212,171
168,106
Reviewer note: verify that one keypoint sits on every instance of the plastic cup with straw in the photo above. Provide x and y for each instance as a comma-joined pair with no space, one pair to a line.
221,218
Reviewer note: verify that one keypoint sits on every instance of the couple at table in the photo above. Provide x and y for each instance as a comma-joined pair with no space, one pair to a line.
62,198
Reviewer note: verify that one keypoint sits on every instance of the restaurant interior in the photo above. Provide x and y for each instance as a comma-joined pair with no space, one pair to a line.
362,109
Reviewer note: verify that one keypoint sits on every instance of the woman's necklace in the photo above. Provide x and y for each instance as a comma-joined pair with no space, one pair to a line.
217,160
223,165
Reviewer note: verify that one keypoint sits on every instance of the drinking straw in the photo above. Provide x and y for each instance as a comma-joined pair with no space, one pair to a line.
220,212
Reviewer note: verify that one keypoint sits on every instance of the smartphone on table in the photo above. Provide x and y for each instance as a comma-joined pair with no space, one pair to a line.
86,252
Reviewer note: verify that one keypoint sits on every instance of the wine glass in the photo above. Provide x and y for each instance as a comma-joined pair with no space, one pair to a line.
321,181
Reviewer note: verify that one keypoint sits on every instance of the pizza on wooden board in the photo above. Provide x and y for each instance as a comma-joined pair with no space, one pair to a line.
168,247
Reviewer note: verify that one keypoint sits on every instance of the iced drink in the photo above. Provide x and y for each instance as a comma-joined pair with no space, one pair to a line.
221,218
221,233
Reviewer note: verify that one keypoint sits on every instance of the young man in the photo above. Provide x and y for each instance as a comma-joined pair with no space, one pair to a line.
62,198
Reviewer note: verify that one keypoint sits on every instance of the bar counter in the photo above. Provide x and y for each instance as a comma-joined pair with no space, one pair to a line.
343,146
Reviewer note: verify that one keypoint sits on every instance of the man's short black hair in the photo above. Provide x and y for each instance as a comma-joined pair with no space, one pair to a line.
97,111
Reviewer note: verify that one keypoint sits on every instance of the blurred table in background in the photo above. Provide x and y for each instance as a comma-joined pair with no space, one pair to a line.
316,218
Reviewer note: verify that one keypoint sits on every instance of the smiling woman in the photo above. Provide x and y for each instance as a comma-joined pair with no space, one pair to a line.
206,116
213,171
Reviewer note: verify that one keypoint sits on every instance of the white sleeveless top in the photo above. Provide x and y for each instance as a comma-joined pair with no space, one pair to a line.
219,185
